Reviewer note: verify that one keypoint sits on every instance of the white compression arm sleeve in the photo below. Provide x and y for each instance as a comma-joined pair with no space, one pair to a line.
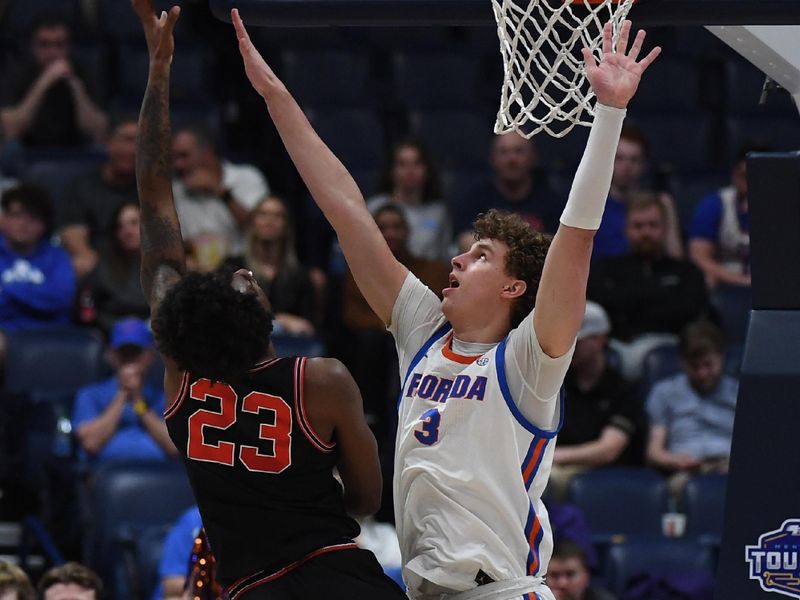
587,198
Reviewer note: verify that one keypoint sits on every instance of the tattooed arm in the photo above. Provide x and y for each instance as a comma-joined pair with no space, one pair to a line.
162,246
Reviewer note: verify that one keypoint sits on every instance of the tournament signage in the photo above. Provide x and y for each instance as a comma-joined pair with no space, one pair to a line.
774,560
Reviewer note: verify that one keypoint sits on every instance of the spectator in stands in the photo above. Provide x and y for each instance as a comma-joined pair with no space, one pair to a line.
691,414
515,188
270,254
37,282
719,234
568,574
174,565
630,165
649,296
602,414
14,583
48,102
410,181
213,197
70,581
120,418
113,290
374,358
90,203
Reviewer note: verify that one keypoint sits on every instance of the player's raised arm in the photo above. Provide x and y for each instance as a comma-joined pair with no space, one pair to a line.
163,260
376,271
561,298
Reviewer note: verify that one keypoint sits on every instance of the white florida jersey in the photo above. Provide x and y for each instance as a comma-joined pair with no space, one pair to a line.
470,468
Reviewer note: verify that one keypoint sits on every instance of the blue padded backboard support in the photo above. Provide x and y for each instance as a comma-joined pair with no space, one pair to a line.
316,13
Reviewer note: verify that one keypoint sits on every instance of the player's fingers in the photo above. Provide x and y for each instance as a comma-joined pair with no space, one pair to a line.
637,45
172,18
143,8
607,38
238,24
622,42
648,60
588,59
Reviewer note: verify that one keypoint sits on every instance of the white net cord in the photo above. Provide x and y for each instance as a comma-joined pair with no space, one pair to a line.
545,86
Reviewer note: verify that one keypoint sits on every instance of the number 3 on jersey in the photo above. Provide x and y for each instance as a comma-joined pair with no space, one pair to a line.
429,434
279,432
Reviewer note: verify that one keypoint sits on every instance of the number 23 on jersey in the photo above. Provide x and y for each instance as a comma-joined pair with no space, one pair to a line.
275,426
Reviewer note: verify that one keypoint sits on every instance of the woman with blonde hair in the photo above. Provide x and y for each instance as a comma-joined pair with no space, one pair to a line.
14,583
270,254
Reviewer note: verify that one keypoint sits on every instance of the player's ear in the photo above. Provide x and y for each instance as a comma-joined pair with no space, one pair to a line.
514,289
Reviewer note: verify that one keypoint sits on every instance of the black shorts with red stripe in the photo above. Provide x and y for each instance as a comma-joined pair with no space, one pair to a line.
340,574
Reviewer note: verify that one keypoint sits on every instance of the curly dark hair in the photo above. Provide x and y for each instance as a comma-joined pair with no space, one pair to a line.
526,253
210,329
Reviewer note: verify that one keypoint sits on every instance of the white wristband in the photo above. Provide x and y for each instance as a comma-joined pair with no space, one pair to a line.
587,198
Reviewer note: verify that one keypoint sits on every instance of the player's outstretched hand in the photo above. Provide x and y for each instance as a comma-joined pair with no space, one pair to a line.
615,79
258,71
157,30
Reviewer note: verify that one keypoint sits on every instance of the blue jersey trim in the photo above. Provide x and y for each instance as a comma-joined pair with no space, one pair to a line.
500,358
437,335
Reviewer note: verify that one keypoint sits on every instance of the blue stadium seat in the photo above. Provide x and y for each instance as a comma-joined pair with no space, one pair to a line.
355,136
671,87
52,362
733,304
127,498
142,558
189,79
704,505
681,142
779,133
658,556
22,14
665,361
620,501
55,175
434,80
297,345
457,139
327,77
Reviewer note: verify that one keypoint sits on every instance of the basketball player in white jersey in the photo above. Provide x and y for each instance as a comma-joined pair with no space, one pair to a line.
479,408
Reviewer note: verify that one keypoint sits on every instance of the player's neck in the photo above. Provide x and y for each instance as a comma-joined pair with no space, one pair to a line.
485,333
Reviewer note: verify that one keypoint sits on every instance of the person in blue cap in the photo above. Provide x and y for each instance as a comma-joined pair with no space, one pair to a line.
121,418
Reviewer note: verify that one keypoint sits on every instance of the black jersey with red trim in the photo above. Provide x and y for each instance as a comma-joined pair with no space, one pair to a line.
262,477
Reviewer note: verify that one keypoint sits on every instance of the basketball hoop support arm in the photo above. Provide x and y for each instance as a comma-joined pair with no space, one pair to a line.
772,48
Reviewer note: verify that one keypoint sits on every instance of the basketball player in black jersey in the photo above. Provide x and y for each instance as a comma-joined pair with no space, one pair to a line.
260,435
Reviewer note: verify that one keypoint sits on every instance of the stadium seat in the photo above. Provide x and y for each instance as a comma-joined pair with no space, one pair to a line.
434,80
704,505
125,499
188,80
21,15
677,142
142,558
46,362
733,304
297,345
55,175
355,136
620,500
457,139
778,133
327,77
671,87
655,557
665,361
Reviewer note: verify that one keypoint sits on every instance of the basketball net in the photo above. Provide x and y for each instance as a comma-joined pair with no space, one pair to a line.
545,86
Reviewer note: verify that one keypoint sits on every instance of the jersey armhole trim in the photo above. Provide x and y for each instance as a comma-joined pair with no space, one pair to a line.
300,406
500,359
437,335
178,401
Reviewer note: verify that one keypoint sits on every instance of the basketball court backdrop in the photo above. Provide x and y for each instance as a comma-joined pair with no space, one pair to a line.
761,541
